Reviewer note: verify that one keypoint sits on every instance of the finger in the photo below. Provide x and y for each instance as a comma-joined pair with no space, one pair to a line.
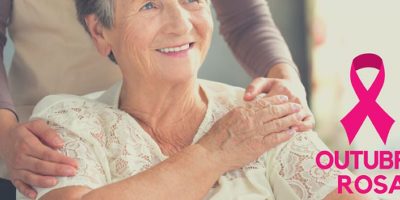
267,101
33,147
277,111
307,124
301,101
279,87
36,180
276,99
272,140
45,153
45,133
282,124
48,168
25,189
258,86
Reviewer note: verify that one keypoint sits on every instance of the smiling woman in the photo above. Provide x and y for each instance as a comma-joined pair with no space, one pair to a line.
173,24
161,133
59,57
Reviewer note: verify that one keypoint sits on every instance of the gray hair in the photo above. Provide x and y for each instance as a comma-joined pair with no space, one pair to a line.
103,9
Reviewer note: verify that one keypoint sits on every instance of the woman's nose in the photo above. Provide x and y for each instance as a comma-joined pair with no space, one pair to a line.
177,21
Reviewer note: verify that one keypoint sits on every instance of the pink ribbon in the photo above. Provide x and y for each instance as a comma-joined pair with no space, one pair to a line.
367,105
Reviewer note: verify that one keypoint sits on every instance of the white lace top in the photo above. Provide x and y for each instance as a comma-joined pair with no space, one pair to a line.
110,146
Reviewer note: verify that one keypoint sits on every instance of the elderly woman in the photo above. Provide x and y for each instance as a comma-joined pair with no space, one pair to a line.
159,133
246,25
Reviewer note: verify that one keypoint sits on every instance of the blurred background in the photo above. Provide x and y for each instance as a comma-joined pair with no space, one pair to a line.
324,36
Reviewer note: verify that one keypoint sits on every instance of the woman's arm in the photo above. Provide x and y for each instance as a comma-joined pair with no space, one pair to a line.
334,195
186,175
252,35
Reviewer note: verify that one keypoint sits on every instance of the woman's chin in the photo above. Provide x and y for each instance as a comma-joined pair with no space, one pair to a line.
180,77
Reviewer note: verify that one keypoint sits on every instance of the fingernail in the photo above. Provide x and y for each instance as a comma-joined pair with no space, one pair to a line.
284,135
76,165
58,141
31,195
70,172
249,91
296,107
299,116
283,98
51,182
291,132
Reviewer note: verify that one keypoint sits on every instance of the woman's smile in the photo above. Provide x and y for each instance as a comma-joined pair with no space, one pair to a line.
177,51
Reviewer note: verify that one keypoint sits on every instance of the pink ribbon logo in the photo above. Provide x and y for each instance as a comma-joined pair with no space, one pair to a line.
367,105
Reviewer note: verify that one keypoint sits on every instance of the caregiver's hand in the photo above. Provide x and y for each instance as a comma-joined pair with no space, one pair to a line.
293,88
246,132
29,150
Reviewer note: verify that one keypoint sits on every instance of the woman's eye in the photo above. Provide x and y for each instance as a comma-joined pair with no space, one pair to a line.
196,4
148,6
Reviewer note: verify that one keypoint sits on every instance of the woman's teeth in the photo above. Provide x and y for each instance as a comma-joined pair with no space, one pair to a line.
175,49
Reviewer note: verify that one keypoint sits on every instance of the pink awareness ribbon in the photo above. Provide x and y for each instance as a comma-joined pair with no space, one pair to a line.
367,105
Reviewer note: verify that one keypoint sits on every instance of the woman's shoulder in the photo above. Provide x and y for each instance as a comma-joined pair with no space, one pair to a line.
77,114
66,102
224,93
221,87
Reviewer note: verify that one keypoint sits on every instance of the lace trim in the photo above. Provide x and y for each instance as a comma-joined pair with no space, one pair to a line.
297,166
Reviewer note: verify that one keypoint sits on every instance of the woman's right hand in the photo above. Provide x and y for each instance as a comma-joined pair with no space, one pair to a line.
29,151
247,132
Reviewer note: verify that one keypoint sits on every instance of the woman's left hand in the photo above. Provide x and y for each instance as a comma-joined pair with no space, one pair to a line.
294,89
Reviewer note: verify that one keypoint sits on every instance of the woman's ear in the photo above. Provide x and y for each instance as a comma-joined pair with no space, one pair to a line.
97,31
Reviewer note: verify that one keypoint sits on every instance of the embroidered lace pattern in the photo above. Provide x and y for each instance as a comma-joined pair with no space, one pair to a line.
298,167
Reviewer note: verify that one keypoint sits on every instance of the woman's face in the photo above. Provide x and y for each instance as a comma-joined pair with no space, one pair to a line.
166,40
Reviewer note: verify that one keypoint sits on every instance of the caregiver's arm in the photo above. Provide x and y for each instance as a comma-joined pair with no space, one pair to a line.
252,35
27,152
5,98
256,42
7,117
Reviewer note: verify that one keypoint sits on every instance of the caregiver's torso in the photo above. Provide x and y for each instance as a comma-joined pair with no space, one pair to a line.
53,54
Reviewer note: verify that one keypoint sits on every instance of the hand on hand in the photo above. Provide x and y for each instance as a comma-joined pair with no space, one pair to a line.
246,132
294,89
32,159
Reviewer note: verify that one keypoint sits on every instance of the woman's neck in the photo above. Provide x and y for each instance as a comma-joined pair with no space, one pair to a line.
170,114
